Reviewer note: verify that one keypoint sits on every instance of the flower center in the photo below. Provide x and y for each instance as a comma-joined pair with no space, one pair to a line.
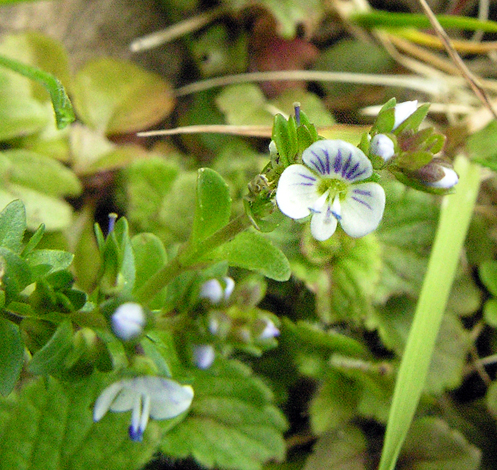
334,187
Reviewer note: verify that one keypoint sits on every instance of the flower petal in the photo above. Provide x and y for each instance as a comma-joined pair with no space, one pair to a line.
105,400
168,398
297,191
125,400
403,111
362,209
337,159
323,225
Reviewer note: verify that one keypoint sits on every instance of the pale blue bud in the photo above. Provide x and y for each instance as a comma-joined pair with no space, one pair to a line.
382,146
128,321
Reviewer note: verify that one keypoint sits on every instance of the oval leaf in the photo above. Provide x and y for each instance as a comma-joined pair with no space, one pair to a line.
213,205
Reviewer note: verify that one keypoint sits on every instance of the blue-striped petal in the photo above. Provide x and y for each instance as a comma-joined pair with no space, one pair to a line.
362,209
337,159
297,191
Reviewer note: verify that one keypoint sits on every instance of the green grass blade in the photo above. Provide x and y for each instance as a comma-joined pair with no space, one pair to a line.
454,220
383,19
64,113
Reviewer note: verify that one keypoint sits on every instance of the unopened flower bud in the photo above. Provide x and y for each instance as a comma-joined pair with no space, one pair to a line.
403,111
128,321
214,291
437,174
269,331
203,355
382,146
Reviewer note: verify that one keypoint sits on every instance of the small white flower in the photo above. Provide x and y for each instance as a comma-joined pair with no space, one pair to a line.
203,355
214,291
146,396
327,186
128,321
269,331
382,146
403,111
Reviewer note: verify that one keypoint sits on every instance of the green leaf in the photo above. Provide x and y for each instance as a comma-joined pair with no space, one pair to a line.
432,445
449,356
481,146
54,213
147,184
213,205
368,58
50,426
488,275
150,255
334,404
340,449
490,312
39,172
406,235
233,422
12,226
345,288
24,103
454,222
50,358
15,274
251,250
56,260
118,97
11,355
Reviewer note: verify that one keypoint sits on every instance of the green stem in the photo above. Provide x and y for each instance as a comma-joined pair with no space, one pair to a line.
455,216
188,256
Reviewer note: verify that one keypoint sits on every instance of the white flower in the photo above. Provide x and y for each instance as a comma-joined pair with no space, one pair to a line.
128,321
214,291
327,187
403,111
382,146
203,355
146,396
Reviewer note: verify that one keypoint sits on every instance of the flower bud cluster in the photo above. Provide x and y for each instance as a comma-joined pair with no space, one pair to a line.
396,143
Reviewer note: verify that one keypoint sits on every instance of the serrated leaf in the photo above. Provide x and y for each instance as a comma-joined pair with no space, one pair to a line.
341,449
406,235
449,357
119,97
432,445
251,250
11,355
213,205
50,426
345,287
12,226
232,424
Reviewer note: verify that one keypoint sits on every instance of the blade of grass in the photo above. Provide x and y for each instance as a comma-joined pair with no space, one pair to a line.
384,19
455,216
64,113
